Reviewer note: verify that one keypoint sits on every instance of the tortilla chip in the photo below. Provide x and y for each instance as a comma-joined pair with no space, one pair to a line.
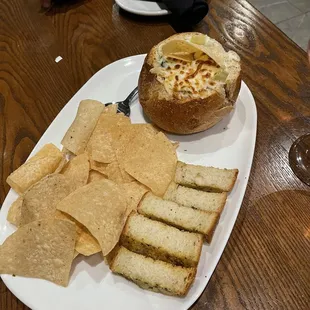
77,136
188,57
69,155
175,47
65,217
198,43
99,146
175,144
182,56
126,176
123,137
114,173
198,38
85,244
61,164
37,167
14,214
95,176
77,171
100,206
135,191
150,128
41,199
109,258
151,162
100,167
76,254
112,109
43,249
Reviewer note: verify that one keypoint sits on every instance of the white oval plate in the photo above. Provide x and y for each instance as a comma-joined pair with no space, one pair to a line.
229,144
141,7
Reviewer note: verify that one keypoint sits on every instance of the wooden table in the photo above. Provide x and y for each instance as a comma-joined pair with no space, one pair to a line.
266,262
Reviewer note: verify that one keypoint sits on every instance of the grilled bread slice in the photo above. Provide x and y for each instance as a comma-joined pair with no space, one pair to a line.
189,197
181,217
205,178
160,241
153,274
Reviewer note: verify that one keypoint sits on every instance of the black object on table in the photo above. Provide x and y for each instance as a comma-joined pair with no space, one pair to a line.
189,12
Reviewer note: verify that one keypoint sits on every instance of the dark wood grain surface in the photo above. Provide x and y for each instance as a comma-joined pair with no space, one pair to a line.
266,262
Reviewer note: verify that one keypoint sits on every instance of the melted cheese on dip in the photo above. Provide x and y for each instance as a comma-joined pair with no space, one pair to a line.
184,79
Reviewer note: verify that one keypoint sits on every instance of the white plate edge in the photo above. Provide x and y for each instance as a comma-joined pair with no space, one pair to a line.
236,211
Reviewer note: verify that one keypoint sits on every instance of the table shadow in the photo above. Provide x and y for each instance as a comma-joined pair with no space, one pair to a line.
63,6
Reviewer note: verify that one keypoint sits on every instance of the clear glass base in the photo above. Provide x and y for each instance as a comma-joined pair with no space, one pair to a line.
299,158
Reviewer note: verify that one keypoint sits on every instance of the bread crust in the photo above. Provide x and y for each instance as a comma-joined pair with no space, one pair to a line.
188,115
143,283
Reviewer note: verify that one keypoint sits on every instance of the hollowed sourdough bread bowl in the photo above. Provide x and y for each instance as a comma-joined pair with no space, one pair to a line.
188,83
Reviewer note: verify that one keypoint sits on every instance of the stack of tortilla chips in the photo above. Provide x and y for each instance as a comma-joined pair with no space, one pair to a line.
76,201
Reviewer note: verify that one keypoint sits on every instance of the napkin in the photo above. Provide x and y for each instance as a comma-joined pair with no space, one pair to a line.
187,11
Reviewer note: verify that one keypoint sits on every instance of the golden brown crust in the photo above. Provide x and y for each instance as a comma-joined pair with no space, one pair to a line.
157,253
144,283
189,282
182,116
233,181
232,91
210,234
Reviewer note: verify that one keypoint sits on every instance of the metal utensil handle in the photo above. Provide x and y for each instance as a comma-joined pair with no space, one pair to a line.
131,95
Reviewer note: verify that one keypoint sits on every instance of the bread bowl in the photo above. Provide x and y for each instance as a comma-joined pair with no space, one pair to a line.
188,83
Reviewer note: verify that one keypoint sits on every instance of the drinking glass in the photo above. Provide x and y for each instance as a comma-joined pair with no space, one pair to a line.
299,154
